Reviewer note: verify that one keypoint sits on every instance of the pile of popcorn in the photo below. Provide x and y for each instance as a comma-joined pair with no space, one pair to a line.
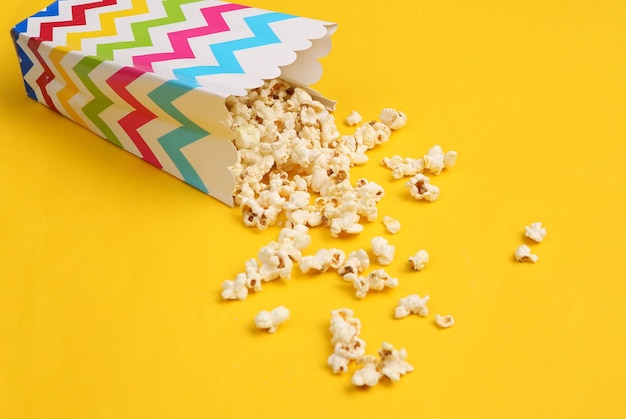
289,148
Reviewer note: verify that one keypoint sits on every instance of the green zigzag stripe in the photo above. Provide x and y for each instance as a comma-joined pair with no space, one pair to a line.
141,29
100,101
189,132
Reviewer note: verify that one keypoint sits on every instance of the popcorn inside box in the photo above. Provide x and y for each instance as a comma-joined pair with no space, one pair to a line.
153,76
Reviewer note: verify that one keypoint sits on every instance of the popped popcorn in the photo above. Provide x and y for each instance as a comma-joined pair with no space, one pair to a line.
235,289
412,304
344,327
392,118
436,160
392,225
535,232
523,254
368,374
347,346
353,119
403,167
376,280
418,260
270,320
323,260
419,187
355,263
274,260
383,251
392,362
280,130
444,321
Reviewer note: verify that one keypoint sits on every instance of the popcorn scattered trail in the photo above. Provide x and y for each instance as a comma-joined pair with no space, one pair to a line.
294,167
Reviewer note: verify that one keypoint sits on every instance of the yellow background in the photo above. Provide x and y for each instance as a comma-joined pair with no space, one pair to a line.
110,270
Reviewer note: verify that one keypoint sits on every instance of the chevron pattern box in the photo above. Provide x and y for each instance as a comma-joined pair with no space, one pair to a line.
151,75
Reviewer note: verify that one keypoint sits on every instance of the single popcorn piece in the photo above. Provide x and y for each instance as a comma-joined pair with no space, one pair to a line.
235,289
523,254
270,320
419,187
368,375
338,363
356,262
323,260
352,350
436,160
412,304
383,251
444,321
377,280
402,167
354,119
344,327
391,224
535,232
418,260
392,118
392,362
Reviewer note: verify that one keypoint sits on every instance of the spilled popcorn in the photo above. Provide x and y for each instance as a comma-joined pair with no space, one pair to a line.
535,232
523,254
391,224
376,280
383,251
444,321
412,304
294,171
270,320
418,260
349,348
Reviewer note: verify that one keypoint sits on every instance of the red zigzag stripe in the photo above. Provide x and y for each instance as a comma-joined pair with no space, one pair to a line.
46,76
137,118
78,18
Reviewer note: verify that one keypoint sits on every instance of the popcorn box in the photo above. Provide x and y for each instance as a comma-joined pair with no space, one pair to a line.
151,76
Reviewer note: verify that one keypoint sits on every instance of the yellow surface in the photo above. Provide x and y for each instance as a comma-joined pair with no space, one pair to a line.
110,270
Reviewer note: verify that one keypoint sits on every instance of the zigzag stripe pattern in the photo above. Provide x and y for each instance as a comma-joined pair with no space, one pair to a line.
25,64
133,72
52,10
141,29
78,18
181,49
189,132
225,52
100,101
140,116
101,21
69,90
46,75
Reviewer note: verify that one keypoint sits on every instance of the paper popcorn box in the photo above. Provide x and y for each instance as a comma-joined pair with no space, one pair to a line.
151,76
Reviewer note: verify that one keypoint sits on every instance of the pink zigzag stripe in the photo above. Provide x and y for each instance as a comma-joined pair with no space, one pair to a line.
139,116
179,40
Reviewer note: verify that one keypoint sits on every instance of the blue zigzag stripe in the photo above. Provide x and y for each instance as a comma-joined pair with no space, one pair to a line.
52,10
164,96
25,65
225,52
